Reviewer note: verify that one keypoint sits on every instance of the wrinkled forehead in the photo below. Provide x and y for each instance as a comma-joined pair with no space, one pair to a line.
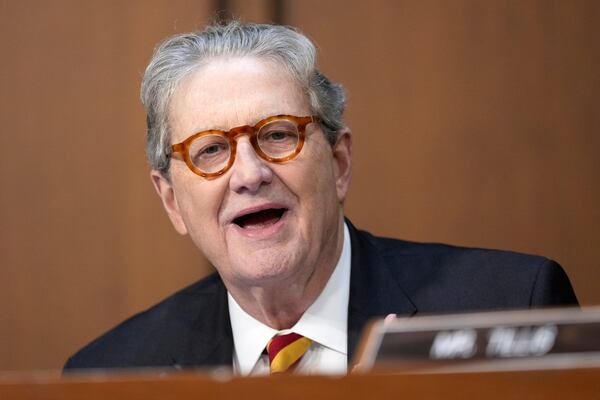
230,92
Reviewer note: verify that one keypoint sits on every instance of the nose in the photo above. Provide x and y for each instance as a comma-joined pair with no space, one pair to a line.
249,171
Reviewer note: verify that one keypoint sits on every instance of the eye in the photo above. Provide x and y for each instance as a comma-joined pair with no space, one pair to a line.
278,132
212,149
209,151
278,136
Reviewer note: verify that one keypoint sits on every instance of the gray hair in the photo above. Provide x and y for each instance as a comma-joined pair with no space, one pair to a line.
180,55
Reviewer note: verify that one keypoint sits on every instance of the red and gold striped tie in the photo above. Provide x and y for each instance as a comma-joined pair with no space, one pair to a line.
285,351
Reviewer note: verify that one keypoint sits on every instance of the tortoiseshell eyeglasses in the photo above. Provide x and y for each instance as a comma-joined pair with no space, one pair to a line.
276,139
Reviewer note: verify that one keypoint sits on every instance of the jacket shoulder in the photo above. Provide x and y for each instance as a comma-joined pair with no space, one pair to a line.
149,338
446,278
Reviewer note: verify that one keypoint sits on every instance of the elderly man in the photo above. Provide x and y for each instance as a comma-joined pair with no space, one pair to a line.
251,159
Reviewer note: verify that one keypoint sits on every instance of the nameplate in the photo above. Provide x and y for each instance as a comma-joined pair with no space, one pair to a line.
529,339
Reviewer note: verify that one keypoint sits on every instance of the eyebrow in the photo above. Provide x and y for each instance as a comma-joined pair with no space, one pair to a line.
260,118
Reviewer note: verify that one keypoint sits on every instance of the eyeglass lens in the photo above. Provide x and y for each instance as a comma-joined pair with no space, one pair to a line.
278,139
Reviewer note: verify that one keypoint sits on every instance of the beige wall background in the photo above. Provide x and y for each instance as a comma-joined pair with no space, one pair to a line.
475,123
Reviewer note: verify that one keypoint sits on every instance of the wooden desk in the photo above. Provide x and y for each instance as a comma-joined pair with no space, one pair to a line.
579,383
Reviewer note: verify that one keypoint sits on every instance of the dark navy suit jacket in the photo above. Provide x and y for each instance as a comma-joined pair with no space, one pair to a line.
191,328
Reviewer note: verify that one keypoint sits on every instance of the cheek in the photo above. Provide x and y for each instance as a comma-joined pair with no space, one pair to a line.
200,211
315,187
199,203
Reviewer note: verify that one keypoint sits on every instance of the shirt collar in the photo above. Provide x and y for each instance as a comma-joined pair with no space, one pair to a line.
325,321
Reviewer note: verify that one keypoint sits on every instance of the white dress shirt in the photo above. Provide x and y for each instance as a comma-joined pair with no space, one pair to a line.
325,322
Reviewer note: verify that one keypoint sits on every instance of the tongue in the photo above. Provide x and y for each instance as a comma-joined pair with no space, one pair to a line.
259,220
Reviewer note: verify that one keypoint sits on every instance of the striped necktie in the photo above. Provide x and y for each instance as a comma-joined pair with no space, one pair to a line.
285,351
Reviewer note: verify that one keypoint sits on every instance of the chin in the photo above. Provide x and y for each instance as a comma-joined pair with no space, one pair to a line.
268,266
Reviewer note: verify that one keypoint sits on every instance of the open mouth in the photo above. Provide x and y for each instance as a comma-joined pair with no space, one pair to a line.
260,219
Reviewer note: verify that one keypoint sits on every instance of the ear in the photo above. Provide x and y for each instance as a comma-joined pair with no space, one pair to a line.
165,191
342,156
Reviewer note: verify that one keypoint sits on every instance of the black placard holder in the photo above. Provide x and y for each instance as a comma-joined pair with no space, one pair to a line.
490,341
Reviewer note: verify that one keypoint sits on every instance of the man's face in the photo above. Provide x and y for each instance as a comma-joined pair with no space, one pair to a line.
260,223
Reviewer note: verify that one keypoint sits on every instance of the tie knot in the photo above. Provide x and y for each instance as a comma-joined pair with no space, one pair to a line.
285,351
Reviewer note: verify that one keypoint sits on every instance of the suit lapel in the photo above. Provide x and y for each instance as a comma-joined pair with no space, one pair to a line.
206,340
374,288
